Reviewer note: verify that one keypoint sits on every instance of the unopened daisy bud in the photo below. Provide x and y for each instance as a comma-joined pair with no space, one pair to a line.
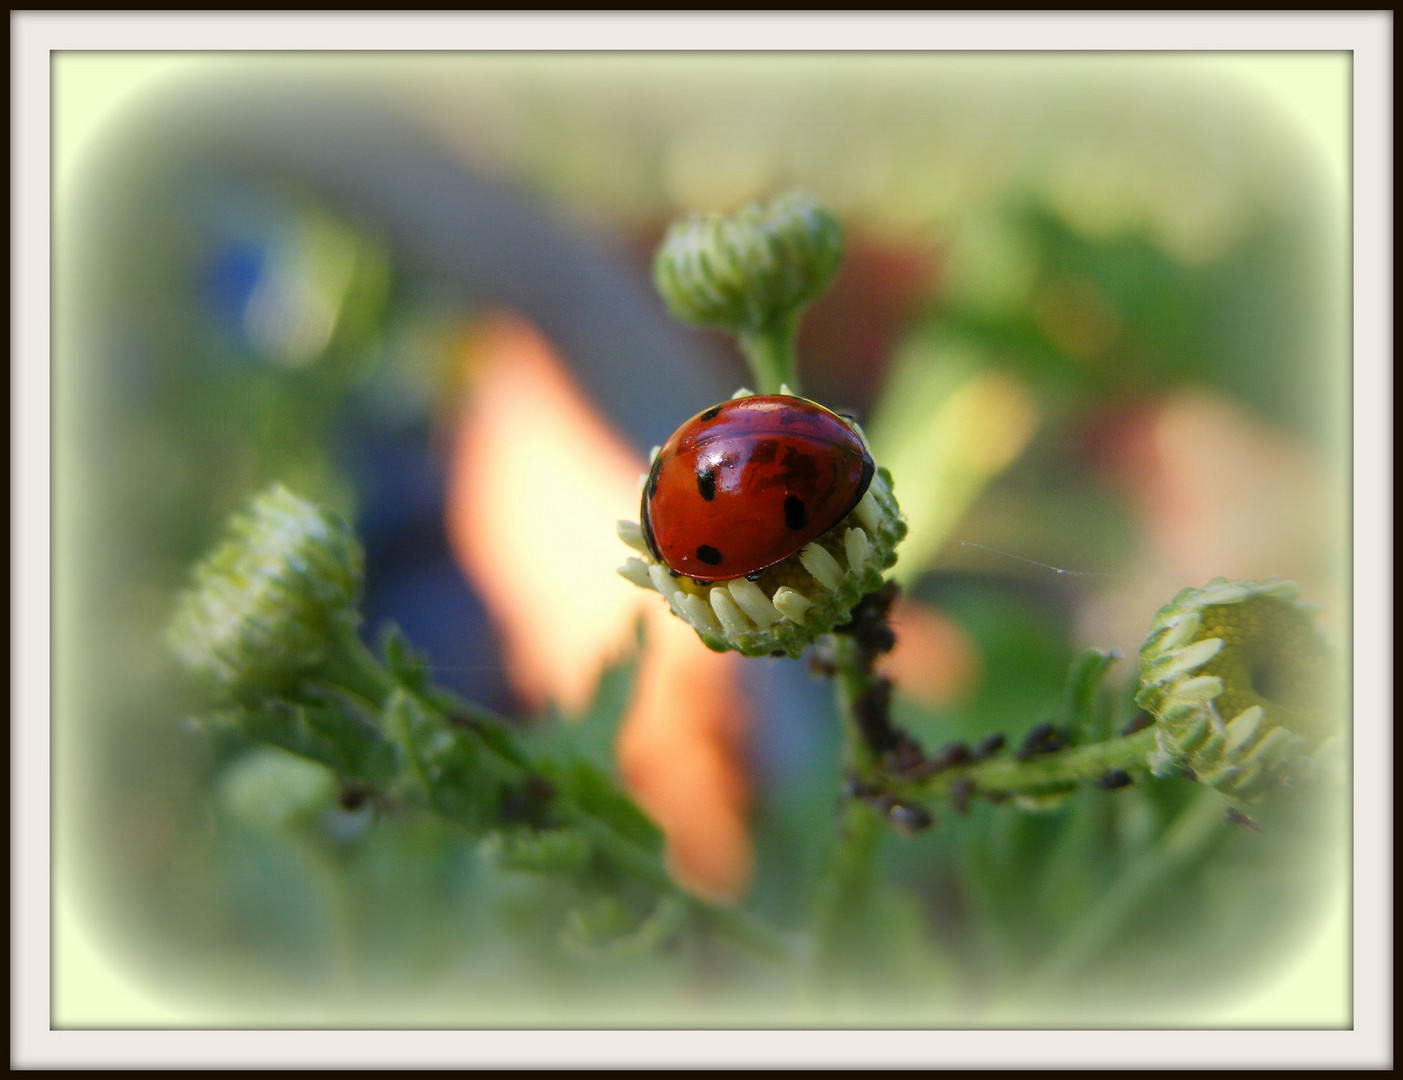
752,270
266,606
1242,684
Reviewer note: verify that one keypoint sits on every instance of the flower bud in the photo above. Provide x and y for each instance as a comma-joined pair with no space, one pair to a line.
752,270
263,609
1241,683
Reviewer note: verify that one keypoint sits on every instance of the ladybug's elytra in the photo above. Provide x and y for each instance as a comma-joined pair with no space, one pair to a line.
747,483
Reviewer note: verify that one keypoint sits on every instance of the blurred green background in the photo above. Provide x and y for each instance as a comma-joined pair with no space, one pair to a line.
1093,316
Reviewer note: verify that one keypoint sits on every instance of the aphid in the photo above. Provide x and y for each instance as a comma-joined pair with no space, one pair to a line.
1112,779
1234,816
988,746
1042,738
961,791
909,820
747,483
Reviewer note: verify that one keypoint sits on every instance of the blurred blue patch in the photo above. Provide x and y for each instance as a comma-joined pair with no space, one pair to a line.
412,579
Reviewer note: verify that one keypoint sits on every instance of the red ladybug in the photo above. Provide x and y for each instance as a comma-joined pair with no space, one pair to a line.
749,482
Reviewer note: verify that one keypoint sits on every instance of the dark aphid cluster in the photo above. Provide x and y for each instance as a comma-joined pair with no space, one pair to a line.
1044,738
869,626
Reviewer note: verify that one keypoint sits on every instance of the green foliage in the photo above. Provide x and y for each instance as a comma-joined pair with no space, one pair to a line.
332,732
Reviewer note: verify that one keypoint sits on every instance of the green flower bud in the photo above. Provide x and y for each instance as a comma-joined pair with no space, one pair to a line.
1242,685
272,791
750,271
796,600
266,606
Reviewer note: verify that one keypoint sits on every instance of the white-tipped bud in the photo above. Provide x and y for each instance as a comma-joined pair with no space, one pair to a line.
733,622
1173,664
1182,630
1200,688
751,599
858,549
869,512
698,613
823,566
791,603
632,535
635,571
1244,727
667,587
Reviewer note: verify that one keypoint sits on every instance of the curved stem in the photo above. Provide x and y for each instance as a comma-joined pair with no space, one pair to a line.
1037,775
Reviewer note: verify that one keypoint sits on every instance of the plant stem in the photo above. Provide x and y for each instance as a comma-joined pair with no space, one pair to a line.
844,892
1042,774
769,351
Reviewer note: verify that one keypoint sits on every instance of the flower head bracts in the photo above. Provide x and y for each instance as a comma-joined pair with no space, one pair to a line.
264,607
1239,680
752,269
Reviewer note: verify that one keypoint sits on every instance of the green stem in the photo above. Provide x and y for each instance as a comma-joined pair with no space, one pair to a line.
1042,774
770,353
844,892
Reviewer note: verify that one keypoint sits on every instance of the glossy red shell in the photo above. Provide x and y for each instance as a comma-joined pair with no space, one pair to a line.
747,483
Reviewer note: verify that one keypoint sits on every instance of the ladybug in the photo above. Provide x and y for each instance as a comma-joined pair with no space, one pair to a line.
747,483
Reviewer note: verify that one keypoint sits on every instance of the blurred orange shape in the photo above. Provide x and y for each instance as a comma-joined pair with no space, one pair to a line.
681,752
934,660
537,483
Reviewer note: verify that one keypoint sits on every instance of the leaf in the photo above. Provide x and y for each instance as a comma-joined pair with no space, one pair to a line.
552,851
606,929
1087,708
597,795
592,734
449,766
409,666
332,734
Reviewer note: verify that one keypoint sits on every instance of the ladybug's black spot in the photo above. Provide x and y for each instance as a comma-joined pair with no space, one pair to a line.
796,514
710,413
709,555
706,484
